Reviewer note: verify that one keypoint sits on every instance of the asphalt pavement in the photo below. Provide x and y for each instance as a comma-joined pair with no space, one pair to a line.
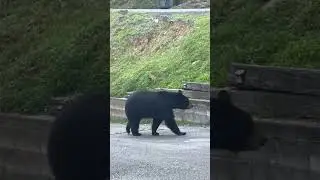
164,157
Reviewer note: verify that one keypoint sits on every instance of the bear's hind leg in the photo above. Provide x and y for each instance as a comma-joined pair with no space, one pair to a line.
155,125
128,127
172,125
134,124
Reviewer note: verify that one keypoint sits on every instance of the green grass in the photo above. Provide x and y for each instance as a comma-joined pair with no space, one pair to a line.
168,55
285,34
137,4
51,48
133,4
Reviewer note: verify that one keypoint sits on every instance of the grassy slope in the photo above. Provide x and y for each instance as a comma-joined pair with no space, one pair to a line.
285,34
138,4
133,4
173,53
49,48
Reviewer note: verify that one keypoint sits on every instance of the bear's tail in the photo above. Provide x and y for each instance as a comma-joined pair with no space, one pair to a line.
128,128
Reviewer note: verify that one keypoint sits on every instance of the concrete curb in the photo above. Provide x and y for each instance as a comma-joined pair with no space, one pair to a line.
200,113
189,93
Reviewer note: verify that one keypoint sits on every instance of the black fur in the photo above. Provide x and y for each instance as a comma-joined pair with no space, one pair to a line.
156,105
232,128
78,144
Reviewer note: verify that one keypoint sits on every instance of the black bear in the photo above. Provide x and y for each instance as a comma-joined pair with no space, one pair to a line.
232,128
156,105
78,143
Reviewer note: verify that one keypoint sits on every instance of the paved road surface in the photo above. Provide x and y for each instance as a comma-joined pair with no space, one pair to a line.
164,157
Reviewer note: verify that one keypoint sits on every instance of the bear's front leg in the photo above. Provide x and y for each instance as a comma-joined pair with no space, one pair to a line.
172,125
155,125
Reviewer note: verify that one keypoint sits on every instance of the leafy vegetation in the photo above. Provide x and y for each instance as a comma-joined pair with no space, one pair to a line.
51,48
133,4
148,54
275,32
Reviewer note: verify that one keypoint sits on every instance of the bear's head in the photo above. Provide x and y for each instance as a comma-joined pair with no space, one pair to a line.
177,99
224,97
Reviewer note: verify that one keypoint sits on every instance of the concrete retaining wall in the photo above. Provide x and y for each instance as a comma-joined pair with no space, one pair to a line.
200,113
293,125
23,142
292,153
279,160
189,93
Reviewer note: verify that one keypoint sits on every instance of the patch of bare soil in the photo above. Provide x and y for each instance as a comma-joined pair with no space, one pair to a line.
158,39
270,4
194,4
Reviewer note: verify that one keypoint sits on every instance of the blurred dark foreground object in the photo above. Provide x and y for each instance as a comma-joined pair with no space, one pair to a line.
232,128
78,145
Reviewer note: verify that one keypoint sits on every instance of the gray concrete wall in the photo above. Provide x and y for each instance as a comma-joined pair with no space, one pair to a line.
23,142
293,152
200,113
279,160
189,93
293,125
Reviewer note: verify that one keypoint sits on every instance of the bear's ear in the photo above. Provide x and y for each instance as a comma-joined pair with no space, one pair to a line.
179,91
